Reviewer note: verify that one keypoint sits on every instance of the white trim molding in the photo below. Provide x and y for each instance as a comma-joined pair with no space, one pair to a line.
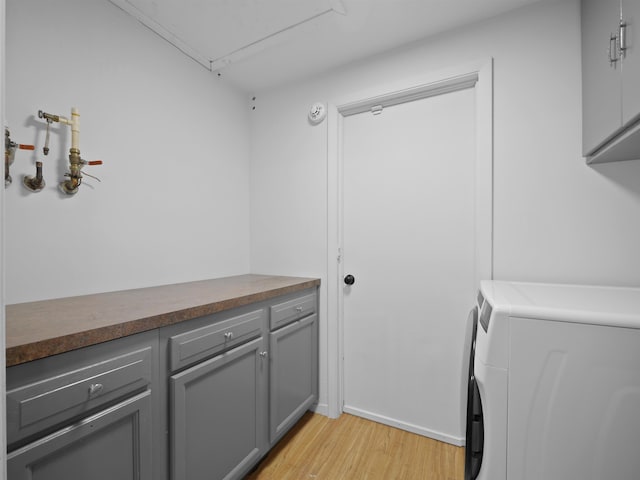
409,427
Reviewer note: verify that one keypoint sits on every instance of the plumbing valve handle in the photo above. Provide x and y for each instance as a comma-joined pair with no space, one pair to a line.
22,146
94,162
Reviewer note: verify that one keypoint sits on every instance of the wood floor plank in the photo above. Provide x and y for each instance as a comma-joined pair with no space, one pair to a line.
352,448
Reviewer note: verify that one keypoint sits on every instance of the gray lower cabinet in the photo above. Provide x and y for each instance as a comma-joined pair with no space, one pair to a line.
293,374
218,415
112,444
85,414
238,381
203,399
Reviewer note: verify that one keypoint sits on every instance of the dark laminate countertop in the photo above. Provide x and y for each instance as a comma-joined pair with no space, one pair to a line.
48,327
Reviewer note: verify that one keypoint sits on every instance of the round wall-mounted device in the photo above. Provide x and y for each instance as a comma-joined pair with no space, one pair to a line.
317,113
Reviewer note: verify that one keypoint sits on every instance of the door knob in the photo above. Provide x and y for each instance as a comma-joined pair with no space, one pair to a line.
349,279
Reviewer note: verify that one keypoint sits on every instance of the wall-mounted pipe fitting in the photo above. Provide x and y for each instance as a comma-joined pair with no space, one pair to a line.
10,148
70,186
37,183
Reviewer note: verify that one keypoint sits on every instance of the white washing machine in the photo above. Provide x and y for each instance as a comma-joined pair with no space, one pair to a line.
554,383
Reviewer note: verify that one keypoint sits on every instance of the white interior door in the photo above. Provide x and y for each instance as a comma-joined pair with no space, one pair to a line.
408,239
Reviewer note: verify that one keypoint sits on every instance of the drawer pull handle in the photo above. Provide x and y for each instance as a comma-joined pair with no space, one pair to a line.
228,335
95,389
299,309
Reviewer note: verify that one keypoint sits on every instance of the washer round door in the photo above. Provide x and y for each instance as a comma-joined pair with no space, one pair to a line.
475,423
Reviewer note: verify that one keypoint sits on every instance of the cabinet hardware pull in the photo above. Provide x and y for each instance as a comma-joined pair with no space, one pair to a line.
228,335
263,354
623,38
613,50
299,309
95,389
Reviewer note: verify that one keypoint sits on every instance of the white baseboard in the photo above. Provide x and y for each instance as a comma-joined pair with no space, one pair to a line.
321,408
425,432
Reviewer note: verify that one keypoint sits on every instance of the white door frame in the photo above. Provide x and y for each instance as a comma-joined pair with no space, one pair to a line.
478,75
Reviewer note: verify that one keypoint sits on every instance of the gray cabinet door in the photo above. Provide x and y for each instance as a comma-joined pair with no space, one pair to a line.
293,374
112,444
218,417
601,82
631,62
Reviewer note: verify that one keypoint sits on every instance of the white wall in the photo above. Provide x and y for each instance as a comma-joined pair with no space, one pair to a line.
555,219
173,204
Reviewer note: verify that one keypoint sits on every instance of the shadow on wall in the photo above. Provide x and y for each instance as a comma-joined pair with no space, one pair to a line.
624,174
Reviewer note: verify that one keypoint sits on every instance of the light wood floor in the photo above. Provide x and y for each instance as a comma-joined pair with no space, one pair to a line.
351,448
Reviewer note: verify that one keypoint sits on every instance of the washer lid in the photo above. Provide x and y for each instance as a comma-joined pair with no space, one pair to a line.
597,305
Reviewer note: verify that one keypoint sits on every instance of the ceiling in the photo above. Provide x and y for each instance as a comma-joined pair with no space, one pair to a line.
257,44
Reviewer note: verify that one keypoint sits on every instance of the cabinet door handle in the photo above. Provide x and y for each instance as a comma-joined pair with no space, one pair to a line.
299,309
613,50
623,38
95,389
263,354
228,335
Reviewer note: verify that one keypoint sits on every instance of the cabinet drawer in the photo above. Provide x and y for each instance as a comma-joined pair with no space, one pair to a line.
194,345
37,406
291,310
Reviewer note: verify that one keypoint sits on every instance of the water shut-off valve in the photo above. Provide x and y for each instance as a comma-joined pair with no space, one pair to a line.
70,186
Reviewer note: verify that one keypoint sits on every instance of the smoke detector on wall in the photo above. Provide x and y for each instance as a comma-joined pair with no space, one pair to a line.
317,112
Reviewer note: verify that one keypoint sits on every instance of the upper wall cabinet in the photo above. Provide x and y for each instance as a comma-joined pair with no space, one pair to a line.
610,80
